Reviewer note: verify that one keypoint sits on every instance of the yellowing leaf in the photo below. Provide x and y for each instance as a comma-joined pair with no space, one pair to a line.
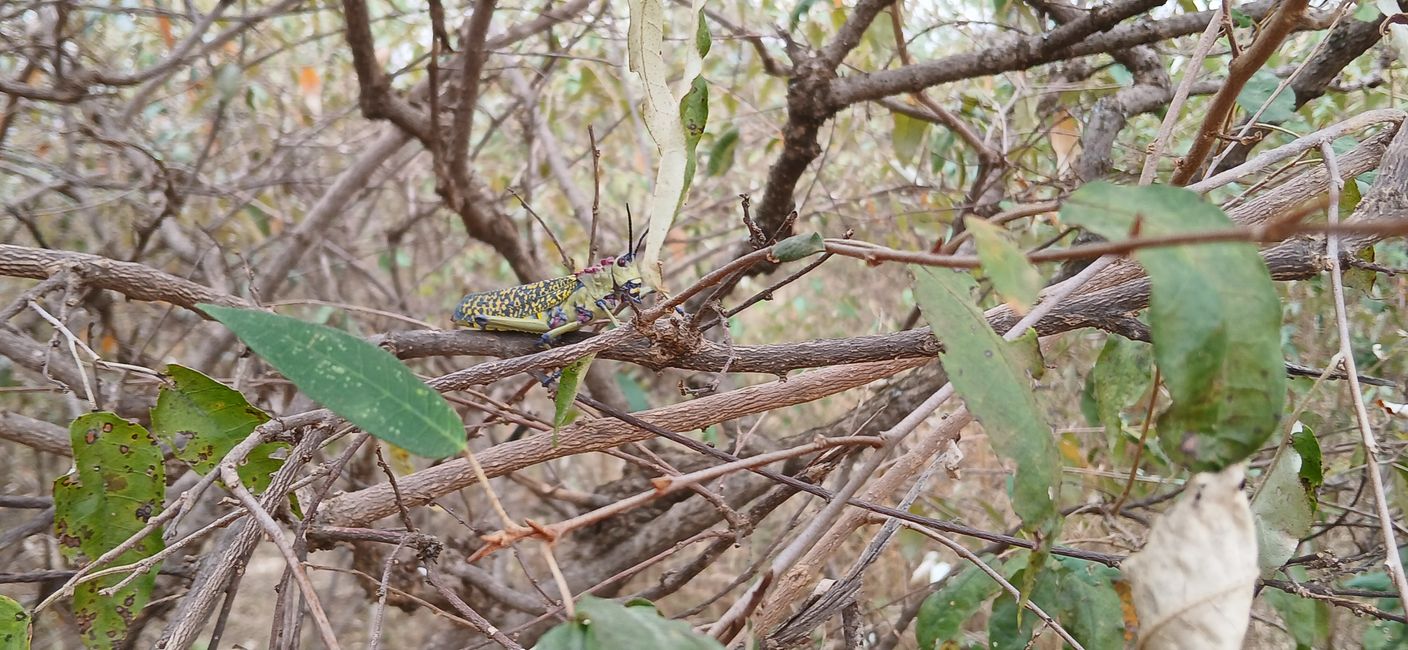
1065,141
1013,277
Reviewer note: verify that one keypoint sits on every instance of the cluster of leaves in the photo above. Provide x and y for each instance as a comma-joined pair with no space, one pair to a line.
1215,321
118,484
1081,595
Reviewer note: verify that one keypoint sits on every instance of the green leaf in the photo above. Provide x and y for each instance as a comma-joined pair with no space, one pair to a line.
939,146
1366,12
694,115
202,420
1214,316
14,625
1312,473
1258,90
1121,376
1121,74
228,79
635,393
567,387
1088,605
607,625
1284,507
355,379
907,136
1306,619
702,40
1013,277
798,12
992,377
797,247
1011,625
117,484
721,156
943,613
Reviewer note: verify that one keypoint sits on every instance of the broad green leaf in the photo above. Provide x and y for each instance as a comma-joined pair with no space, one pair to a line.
797,247
607,625
992,376
907,136
1284,506
14,625
1307,620
202,419
1121,376
721,156
353,378
1088,605
1011,624
943,613
117,484
1214,315
567,387
1013,277
1258,90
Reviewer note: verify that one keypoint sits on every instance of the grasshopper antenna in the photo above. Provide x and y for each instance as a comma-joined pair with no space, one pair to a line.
566,261
630,229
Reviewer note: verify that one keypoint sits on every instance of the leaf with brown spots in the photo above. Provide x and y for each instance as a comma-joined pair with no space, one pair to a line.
14,625
202,419
117,484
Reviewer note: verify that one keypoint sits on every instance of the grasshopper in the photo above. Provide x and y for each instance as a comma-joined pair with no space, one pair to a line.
560,305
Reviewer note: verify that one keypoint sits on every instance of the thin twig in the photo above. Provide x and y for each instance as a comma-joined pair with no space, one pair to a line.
1143,439
1361,416
596,196
558,578
1191,69
231,476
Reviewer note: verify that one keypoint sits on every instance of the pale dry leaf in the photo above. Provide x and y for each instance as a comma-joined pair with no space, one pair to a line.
951,458
1192,583
1065,141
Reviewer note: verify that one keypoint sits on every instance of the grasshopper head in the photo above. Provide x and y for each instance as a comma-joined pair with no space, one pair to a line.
626,277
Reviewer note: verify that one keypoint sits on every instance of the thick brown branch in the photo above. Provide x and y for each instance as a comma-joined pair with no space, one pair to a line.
472,65
1024,52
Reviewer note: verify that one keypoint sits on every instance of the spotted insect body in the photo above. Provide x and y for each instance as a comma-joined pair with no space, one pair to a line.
536,300
557,306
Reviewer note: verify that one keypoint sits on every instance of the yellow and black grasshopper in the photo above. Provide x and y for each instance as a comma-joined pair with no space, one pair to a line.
560,305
